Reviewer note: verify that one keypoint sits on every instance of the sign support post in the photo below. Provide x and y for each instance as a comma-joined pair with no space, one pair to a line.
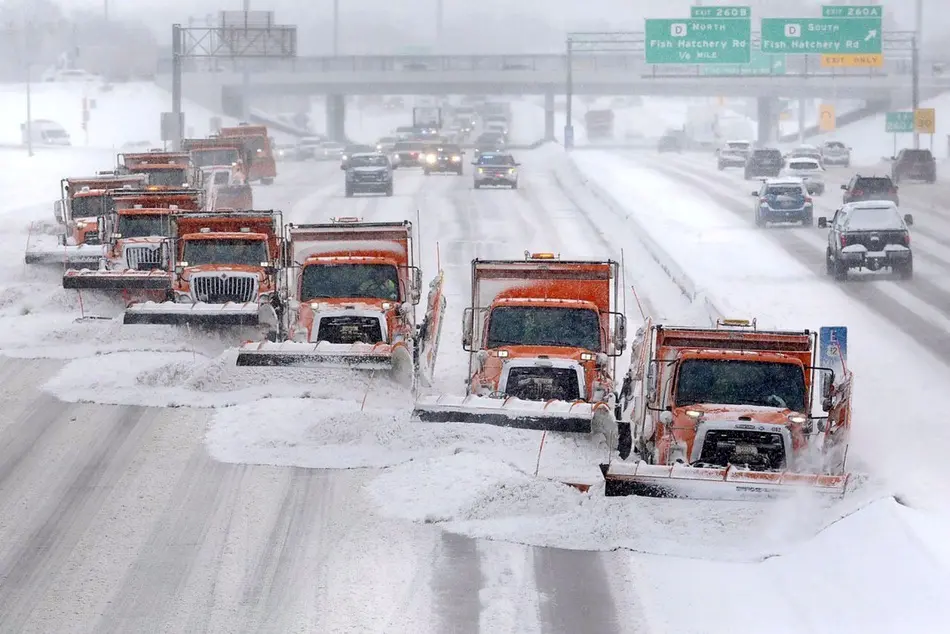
240,34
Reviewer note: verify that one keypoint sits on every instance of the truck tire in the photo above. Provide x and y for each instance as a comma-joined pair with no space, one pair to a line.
829,266
267,181
389,190
514,185
840,271
349,192
624,440
905,270
477,185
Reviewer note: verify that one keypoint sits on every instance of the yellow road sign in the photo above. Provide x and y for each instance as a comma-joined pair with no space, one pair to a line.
852,61
925,121
826,117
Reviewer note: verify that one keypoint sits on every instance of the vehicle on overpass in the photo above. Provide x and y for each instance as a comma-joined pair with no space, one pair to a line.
764,162
914,165
835,153
869,235
495,169
729,413
733,154
783,200
368,173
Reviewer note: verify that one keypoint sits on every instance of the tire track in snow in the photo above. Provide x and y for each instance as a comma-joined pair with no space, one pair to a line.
919,328
30,569
575,594
150,589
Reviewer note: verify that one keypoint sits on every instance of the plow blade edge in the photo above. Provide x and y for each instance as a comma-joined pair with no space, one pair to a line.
88,254
683,481
560,416
118,280
174,314
355,356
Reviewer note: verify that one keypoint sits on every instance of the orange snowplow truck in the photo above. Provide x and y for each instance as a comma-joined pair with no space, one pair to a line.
168,170
727,413
354,287
225,272
137,239
543,335
258,152
218,152
82,202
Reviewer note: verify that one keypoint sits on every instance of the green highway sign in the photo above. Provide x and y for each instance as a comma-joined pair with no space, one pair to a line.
844,11
760,64
720,12
825,36
695,41
899,122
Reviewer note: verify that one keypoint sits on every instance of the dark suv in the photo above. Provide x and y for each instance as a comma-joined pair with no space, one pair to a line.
764,162
914,165
444,158
869,188
869,235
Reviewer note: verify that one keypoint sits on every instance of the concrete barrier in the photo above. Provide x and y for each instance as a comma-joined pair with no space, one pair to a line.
568,170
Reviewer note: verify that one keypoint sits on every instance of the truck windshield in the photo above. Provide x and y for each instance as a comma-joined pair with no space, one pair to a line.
377,281
534,326
172,177
141,225
225,251
91,206
204,158
708,381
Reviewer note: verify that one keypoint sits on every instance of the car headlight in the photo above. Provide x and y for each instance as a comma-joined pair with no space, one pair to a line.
430,159
456,159
511,170
481,170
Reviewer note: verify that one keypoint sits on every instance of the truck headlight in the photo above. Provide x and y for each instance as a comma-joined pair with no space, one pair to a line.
430,159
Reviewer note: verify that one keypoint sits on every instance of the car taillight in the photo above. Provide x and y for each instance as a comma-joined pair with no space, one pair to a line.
844,241
415,155
807,200
857,192
764,201
893,190
907,239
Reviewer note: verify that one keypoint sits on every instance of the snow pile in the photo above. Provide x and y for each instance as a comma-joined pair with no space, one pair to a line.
174,370
34,181
481,496
372,428
123,113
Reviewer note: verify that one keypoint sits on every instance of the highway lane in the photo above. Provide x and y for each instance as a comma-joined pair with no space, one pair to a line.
896,301
114,519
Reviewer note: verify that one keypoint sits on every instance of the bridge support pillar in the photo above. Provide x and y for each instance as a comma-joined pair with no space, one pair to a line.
336,118
549,116
768,120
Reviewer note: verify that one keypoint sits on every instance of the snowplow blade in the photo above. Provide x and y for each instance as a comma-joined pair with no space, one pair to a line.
118,280
683,481
355,356
560,416
174,314
83,254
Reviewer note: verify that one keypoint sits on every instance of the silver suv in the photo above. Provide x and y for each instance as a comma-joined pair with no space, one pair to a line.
368,173
835,153
495,169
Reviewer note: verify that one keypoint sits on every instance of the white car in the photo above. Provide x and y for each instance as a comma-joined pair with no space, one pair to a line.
330,151
810,171
836,153
69,75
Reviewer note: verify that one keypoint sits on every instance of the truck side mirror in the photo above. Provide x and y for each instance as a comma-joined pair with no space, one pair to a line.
652,380
468,321
822,222
58,212
909,219
416,291
620,334
101,229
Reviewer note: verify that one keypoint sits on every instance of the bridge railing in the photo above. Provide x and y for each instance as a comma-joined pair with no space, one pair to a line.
896,63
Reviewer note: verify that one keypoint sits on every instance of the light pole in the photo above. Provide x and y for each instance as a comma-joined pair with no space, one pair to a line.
29,112
336,27
246,79
439,23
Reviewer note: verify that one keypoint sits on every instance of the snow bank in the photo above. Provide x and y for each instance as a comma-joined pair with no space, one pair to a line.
35,180
481,496
123,113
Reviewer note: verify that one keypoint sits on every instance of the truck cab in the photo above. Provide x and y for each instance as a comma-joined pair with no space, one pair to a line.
258,153
164,170
84,200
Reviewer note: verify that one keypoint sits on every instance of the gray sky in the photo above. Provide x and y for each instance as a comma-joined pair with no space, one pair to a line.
366,23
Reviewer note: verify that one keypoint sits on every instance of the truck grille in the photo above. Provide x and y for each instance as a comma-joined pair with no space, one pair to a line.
143,258
221,288
350,329
756,450
543,384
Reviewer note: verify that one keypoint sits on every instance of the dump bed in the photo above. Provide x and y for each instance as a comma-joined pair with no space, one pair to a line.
365,239
189,200
131,161
244,130
585,280
76,185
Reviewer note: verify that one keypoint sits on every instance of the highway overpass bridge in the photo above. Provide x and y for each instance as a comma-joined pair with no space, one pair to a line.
613,73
